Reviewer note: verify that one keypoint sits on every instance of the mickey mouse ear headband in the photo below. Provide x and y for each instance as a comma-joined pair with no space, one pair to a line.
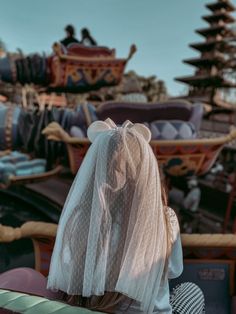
97,127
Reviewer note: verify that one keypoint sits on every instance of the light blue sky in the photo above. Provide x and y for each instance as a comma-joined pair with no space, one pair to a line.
161,29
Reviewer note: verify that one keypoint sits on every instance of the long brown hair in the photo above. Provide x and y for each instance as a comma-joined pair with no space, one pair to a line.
108,303
164,197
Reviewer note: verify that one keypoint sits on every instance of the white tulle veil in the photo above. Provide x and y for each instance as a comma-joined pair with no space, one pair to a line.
112,234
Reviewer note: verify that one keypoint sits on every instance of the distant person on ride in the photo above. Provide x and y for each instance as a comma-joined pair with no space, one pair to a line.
86,38
70,36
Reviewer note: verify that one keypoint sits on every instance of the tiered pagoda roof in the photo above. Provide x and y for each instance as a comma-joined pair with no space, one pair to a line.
214,30
206,61
223,16
206,81
221,5
210,45
213,60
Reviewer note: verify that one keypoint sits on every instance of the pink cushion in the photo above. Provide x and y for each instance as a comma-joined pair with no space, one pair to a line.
26,280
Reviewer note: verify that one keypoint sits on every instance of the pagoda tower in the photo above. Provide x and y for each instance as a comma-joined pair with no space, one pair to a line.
210,76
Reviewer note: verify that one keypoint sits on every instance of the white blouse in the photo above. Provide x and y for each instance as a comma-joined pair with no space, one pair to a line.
175,268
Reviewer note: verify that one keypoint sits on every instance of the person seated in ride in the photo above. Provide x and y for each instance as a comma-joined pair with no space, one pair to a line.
118,242
86,38
70,36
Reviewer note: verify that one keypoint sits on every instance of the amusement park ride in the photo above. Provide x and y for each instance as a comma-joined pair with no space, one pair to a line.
78,69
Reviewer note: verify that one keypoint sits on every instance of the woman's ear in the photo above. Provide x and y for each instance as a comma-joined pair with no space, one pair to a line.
127,124
111,123
143,130
99,126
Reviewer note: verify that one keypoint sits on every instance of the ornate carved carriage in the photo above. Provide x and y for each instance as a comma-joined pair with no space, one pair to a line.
79,68
178,157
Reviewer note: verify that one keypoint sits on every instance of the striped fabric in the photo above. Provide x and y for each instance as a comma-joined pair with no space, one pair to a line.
17,303
187,298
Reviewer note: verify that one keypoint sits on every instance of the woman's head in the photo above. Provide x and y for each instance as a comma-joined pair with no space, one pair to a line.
125,142
127,151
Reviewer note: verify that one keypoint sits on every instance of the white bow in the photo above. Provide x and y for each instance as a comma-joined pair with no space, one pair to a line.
98,127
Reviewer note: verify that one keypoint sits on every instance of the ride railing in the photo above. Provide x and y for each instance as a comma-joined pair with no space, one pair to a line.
195,246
